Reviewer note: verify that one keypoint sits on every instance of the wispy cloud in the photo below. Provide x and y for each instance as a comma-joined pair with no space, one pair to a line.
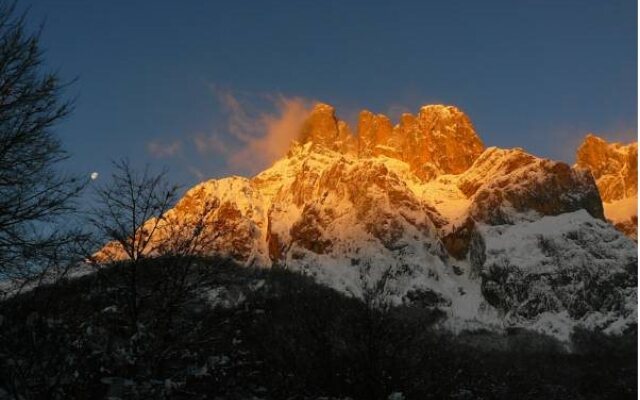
257,136
277,131
207,144
160,149
251,132
195,171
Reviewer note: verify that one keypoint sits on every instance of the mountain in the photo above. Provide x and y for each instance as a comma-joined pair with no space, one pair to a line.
421,213
615,168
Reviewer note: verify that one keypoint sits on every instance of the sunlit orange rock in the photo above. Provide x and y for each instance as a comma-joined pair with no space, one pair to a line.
421,214
615,169
374,134
613,165
426,180
507,185
439,140
321,127
346,143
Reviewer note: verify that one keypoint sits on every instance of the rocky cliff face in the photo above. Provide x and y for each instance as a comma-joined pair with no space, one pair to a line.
615,169
439,140
508,186
613,165
420,213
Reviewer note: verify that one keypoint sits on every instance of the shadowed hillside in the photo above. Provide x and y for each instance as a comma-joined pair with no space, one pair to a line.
238,333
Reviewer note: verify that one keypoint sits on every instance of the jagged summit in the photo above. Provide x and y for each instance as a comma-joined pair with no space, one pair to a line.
438,140
491,236
613,165
320,127
615,168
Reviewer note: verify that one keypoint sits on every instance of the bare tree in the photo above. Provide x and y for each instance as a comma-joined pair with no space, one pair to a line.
152,249
134,222
190,235
185,239
128,216
34,194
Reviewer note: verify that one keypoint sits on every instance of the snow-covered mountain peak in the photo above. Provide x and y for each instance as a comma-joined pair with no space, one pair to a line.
425,215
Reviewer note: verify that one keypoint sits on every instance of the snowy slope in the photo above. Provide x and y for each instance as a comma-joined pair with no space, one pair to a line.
571,265
496,237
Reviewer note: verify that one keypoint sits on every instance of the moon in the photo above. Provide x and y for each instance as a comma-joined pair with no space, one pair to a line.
94,176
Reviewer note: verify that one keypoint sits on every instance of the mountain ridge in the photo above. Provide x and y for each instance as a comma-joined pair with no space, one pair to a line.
439,139
423,214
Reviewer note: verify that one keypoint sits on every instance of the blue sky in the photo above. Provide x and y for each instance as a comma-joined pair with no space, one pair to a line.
150,74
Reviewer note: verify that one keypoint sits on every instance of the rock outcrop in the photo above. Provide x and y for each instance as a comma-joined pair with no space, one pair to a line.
615,169
321,128
508,186
439,140
613,165
374,136
533,269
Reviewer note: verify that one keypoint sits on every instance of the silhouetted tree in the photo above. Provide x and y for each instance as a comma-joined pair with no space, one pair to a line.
133,222
34,194
151,251
129,213
185,240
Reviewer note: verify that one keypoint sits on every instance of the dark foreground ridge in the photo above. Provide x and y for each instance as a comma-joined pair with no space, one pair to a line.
236,333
